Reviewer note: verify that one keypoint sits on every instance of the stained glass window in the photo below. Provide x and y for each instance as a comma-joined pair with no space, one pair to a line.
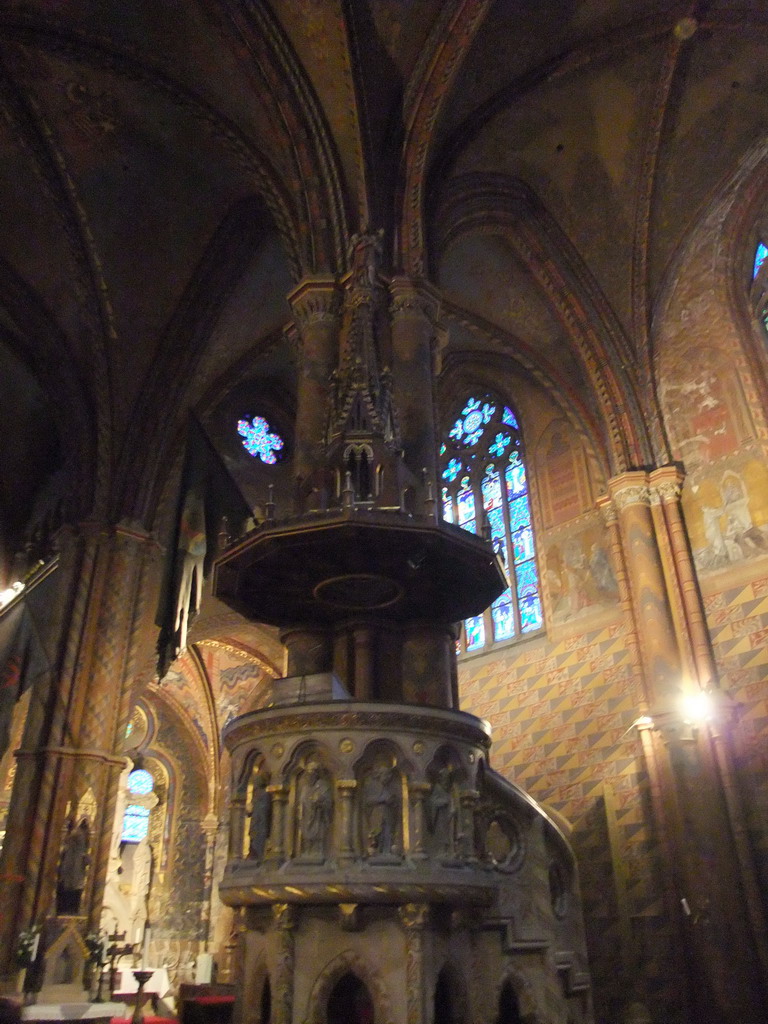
259,439
486,490
760,255
135,823
140,782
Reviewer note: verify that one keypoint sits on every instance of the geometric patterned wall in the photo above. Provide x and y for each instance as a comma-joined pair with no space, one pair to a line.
562,716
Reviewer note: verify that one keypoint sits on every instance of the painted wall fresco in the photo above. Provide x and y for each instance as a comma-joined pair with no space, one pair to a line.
577,574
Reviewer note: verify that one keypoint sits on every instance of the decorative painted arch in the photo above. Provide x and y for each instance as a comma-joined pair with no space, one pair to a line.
428,91
348,962
497,204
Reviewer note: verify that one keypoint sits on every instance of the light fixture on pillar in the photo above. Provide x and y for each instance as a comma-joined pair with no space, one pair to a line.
697,707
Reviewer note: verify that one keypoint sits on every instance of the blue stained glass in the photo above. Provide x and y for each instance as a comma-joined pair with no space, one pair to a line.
259,440
760,254
483,459
530,614
496,522
527,579
522,544
466,502
140,782
475,630
501,442
503,617
516,482
500,547
452,470
447,506
135,824
519,513
491,489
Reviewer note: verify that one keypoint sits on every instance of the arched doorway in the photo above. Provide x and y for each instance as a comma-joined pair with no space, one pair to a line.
509,1008
349,1002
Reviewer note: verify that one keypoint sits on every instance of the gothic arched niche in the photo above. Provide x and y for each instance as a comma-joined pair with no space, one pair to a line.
350,1002
561,474
450,997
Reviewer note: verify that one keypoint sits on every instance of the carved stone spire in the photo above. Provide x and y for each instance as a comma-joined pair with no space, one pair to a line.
362,434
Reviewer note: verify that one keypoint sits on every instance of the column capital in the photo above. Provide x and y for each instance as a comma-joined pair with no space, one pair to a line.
630,489
667,483
414,298
284,916
607,510
414,916
315,300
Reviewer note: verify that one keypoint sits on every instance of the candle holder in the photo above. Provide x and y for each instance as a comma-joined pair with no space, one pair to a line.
142,977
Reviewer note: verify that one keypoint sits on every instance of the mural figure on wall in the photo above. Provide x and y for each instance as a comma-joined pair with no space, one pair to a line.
381,803
261,818
579,575
75,859
315,811
730,533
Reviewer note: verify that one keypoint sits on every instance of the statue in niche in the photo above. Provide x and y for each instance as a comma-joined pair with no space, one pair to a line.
315,811
261,818
75,859
381,805
443,813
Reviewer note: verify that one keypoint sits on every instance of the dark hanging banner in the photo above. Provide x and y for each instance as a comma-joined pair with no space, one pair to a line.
208,500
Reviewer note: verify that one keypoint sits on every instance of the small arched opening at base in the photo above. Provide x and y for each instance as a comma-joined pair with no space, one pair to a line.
509,1007
265,1003
449,1002
350,1002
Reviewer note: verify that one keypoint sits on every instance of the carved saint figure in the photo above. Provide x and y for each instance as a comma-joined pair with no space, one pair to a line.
380,799
261,818
315,811
72,868
442,809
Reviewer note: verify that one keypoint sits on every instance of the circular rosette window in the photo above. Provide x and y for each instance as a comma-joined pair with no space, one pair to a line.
504,844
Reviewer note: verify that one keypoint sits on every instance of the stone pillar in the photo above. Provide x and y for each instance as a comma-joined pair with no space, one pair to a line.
414,310
698,824
414,918
316,304
210,828
346,790
309,651
659,651
278,838
667,485
418,792
427,666
236,825
76,722
468,801
364,639
283,923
